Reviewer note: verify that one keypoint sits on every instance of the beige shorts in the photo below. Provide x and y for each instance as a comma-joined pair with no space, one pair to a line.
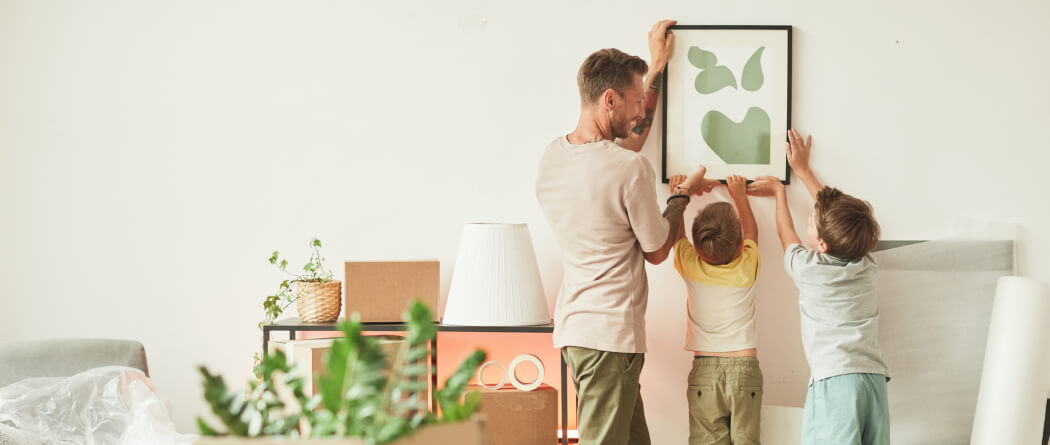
725,401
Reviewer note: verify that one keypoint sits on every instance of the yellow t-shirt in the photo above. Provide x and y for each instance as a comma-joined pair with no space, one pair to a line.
721,303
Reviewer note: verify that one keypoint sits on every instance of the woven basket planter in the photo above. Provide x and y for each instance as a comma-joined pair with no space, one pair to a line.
319,302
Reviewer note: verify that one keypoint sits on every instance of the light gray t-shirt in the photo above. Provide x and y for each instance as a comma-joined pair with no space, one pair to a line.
840,313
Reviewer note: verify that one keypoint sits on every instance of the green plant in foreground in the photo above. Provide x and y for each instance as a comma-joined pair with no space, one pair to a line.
358,397
272,405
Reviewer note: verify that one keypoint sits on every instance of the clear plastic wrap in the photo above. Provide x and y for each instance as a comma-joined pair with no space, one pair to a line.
112,405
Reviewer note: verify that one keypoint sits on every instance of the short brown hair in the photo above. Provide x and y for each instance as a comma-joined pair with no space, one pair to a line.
607,68
846,224
716,233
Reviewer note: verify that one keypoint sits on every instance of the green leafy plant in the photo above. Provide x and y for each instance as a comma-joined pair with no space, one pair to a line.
313,272
358,397
272,405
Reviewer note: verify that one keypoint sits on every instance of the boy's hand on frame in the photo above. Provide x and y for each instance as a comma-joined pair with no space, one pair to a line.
798,150
765,186
737,186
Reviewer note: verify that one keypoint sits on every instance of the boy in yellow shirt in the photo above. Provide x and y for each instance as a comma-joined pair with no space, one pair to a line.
719,269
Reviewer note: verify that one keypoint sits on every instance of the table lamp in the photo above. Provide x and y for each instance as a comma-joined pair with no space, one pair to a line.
496,281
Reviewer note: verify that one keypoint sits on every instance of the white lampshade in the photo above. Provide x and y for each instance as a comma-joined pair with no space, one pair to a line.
496,281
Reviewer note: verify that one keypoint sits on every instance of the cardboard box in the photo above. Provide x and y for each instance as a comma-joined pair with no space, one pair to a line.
470,432
517,417
309,355
381,290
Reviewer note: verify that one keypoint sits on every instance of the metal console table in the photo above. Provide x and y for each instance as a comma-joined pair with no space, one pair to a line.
293,325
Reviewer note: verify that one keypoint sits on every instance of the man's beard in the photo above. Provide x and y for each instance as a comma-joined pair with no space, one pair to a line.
622,130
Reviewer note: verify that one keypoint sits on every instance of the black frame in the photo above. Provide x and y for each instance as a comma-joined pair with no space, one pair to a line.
663,124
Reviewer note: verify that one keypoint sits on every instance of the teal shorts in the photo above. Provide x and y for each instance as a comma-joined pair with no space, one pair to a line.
847,409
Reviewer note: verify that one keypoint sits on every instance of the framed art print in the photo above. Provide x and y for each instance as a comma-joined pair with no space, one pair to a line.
728,101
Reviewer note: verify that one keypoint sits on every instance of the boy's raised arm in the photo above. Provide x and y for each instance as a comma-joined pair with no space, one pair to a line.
798,157
738,190
674,182
771,186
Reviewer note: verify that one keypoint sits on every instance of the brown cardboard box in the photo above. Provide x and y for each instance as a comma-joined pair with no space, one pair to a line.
309,355
519,417
381,290
471,432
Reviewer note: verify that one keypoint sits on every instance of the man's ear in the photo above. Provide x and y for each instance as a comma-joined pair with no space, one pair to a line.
608,100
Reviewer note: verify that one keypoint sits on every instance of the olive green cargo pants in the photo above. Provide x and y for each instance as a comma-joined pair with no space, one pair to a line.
609,409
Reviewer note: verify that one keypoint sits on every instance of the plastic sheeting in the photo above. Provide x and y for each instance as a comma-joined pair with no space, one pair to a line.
935,301
102,406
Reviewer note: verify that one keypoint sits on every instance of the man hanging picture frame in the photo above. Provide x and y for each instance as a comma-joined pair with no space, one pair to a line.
728,101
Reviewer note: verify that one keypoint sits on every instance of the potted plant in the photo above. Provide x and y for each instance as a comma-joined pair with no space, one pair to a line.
357,398
318,296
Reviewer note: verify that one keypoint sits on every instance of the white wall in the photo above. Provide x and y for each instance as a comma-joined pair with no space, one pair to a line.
153,154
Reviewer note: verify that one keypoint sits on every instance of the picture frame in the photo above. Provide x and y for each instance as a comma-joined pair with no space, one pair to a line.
727,101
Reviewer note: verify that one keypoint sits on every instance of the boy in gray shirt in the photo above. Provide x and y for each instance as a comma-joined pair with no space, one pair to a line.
846,402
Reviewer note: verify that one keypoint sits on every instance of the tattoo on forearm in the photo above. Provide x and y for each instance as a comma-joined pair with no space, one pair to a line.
650,105
675,207
655,84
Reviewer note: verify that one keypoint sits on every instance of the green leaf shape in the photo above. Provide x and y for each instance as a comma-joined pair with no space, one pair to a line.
712,76
353,389
714,79
448,397
752,78
744,142
404,407
221,402
702,59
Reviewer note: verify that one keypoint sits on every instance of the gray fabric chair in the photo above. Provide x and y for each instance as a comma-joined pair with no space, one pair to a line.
66,357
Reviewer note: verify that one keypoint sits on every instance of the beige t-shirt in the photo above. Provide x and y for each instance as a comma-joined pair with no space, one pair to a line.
600,200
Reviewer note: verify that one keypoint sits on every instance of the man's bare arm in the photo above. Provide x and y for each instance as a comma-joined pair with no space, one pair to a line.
673,214
661,43
640,132
694,184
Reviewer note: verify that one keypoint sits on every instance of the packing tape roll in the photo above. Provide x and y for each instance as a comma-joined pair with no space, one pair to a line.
514,378
502,380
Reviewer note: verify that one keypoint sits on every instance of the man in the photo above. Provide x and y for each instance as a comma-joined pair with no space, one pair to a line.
600,200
